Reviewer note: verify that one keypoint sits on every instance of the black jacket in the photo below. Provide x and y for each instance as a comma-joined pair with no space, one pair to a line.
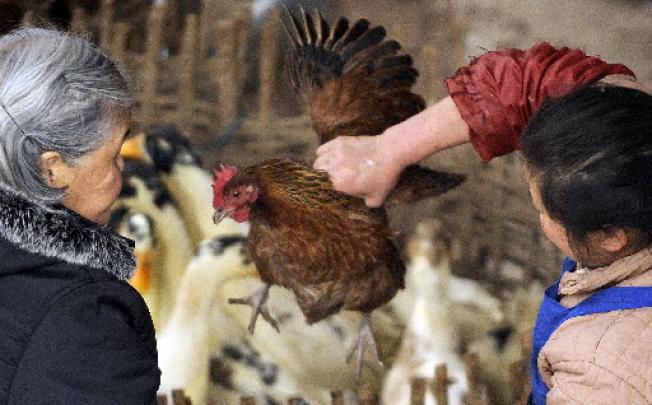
72,331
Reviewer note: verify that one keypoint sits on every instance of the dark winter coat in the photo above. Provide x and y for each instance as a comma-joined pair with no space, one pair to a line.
72,331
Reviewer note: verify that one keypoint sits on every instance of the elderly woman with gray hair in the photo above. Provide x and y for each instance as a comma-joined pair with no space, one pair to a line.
72,331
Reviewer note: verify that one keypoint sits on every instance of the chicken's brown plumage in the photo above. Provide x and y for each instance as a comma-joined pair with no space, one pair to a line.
330,249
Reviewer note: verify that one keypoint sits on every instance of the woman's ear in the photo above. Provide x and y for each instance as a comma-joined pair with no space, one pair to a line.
614,239
55,171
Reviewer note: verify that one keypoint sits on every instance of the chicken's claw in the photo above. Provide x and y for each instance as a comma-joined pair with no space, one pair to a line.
365,338
258,302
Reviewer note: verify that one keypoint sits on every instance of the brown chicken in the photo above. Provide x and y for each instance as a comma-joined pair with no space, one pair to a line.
330,249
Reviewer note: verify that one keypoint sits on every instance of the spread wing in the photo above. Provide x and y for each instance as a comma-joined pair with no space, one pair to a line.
354,80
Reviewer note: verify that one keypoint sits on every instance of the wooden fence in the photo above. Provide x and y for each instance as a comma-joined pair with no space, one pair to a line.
437,386
200,87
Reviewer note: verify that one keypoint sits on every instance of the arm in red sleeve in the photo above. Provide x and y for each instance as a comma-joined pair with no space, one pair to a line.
498,92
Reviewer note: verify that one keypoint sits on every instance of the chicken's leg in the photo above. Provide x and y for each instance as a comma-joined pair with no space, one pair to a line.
258,302
365,338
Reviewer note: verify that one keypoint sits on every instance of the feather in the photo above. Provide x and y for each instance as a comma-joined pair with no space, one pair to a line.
351,81
418,182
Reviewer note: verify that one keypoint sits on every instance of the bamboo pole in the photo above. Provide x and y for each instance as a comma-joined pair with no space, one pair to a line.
519,371
187,68
269,49
459,33
418,391
471,361
119,42
431,80
106,20
367,395
206,26
242,29
79,23
28,18
337,397
247,401
150,64
179,398
226,71
440,384
244,19
296,401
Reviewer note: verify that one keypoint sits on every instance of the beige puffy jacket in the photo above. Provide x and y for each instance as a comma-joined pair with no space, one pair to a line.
603,358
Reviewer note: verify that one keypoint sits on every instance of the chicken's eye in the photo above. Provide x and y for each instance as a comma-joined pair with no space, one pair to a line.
235,193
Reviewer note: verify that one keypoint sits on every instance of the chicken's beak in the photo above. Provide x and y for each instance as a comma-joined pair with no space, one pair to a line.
219,215
142,278
133,148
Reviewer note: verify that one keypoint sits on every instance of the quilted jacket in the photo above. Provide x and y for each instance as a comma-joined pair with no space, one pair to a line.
603,358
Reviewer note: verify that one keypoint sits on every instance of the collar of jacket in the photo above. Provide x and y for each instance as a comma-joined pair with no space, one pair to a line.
618,272
57,232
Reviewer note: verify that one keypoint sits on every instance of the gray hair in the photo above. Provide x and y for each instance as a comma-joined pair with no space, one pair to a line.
58,93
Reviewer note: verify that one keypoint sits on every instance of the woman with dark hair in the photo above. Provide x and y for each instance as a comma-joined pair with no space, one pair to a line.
72,330
585,131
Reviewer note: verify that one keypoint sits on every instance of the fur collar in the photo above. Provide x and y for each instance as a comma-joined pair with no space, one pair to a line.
54,231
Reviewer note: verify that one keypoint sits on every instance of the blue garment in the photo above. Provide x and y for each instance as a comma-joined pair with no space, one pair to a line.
552,314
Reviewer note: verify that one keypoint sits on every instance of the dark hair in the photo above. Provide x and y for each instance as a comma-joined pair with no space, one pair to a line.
591,152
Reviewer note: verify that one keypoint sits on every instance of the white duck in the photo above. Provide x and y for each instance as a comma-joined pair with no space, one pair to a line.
500,355
200,328
429,339
170,153
138,227
142,192
474,311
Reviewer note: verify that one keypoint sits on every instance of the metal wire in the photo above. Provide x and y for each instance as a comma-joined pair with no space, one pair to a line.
4,107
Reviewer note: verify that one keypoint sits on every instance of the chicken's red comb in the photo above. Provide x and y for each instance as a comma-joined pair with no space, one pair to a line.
223,176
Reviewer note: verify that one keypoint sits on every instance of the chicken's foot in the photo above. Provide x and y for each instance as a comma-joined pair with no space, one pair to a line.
365,338
258,301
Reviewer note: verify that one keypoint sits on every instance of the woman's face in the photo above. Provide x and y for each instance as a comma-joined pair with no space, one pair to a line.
96,179
553,230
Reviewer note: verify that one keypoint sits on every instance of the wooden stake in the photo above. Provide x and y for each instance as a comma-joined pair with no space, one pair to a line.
431,83
337,397
79,24
119,43
269,44
242,31
106,21
187,68
150,64
28,18
471,362
418,391
367,395
179,398
247,401
440,384
226,71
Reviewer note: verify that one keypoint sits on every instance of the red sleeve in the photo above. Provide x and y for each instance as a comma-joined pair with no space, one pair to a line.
498,92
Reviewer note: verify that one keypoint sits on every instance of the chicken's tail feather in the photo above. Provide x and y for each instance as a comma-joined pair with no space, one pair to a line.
418,183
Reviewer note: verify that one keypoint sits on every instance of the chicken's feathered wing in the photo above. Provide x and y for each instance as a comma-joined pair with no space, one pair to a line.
356,82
